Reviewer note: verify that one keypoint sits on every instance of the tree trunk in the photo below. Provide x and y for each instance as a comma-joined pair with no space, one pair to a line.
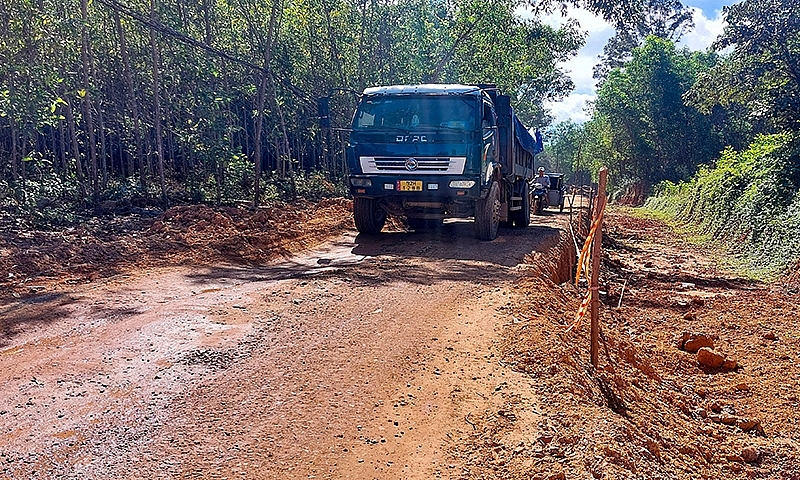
245,117
87,100
76,153
335,55
62,143
133,105
103,147
14,151
157,107
361,44
261,101
259,126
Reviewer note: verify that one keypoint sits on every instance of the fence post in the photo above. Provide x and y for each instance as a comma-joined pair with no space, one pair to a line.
599,207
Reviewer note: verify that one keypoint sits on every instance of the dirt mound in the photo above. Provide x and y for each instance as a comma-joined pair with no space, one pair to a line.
106,246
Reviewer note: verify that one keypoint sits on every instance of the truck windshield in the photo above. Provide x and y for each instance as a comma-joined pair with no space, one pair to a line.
415,113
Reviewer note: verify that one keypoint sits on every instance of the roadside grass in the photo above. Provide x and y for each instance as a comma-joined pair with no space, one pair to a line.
747,206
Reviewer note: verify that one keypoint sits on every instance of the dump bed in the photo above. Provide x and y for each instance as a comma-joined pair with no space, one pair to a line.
517,146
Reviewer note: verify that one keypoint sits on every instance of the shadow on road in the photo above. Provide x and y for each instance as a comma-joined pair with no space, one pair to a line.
31,312
456,241
450,252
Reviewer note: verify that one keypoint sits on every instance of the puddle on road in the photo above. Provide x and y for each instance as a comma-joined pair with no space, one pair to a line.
328,258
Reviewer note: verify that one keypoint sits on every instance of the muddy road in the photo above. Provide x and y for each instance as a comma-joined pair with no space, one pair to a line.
367,357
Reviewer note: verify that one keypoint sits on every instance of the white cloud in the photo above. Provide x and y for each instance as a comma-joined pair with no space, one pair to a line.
705,31
573,107
580,68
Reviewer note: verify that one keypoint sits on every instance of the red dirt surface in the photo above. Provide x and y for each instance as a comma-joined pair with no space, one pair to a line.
196,234
650,410
211,343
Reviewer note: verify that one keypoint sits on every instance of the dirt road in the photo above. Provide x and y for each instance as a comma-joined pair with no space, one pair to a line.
369,357
406,355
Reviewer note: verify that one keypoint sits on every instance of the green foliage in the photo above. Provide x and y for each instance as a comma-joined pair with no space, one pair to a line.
565,142
641,128
65,79
520,56
761,76
665,19
315,185
748,199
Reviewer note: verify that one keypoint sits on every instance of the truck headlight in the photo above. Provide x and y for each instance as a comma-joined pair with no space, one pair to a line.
361,182
462,183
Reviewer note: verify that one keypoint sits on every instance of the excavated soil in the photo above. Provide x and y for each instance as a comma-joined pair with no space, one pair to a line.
278,343
650,410
108,245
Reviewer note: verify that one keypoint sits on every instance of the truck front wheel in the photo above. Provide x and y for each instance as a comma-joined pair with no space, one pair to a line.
487,214
369,217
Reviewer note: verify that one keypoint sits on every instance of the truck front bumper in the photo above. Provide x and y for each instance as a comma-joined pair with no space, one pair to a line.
416,188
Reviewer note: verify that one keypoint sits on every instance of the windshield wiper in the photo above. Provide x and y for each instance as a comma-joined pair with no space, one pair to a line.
449,128
381,129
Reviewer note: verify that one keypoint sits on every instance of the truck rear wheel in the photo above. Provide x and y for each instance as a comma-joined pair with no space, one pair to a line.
487,214
369,217
522,217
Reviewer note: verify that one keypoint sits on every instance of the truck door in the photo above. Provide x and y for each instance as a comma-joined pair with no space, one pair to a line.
489,132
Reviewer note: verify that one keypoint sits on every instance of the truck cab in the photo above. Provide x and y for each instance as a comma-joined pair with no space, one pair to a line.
430,152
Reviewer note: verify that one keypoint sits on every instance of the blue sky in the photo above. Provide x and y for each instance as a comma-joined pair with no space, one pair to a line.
708,22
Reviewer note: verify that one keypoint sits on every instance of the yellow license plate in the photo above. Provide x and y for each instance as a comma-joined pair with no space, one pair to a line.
409,185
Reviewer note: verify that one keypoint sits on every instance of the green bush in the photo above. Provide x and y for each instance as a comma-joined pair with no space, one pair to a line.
748,199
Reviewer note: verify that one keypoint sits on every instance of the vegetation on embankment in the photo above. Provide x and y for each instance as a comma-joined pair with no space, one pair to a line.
712,137
749,200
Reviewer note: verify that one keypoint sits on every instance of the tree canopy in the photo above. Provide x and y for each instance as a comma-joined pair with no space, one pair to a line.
641,128
666,19
762,73
169,100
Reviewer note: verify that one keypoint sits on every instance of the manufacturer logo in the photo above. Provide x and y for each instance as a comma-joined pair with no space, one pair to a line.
411,164
411,138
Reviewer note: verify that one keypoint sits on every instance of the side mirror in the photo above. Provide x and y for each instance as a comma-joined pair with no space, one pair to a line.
324,111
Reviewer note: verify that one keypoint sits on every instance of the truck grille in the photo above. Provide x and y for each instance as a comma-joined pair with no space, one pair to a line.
416,165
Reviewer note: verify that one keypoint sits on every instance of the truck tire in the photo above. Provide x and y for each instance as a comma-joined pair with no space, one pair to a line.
522,217
369,217
487,214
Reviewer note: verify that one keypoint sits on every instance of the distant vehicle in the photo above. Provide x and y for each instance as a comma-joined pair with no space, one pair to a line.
542,197
430,152
556,194
539,200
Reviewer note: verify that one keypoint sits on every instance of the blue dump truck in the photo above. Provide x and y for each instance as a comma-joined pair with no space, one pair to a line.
430,152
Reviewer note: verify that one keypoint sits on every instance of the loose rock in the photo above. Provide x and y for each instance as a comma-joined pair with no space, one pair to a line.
723,418
709,358
696,341
747,424
730,364
750,454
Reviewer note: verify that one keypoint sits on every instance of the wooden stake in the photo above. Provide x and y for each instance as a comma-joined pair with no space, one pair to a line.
599,206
